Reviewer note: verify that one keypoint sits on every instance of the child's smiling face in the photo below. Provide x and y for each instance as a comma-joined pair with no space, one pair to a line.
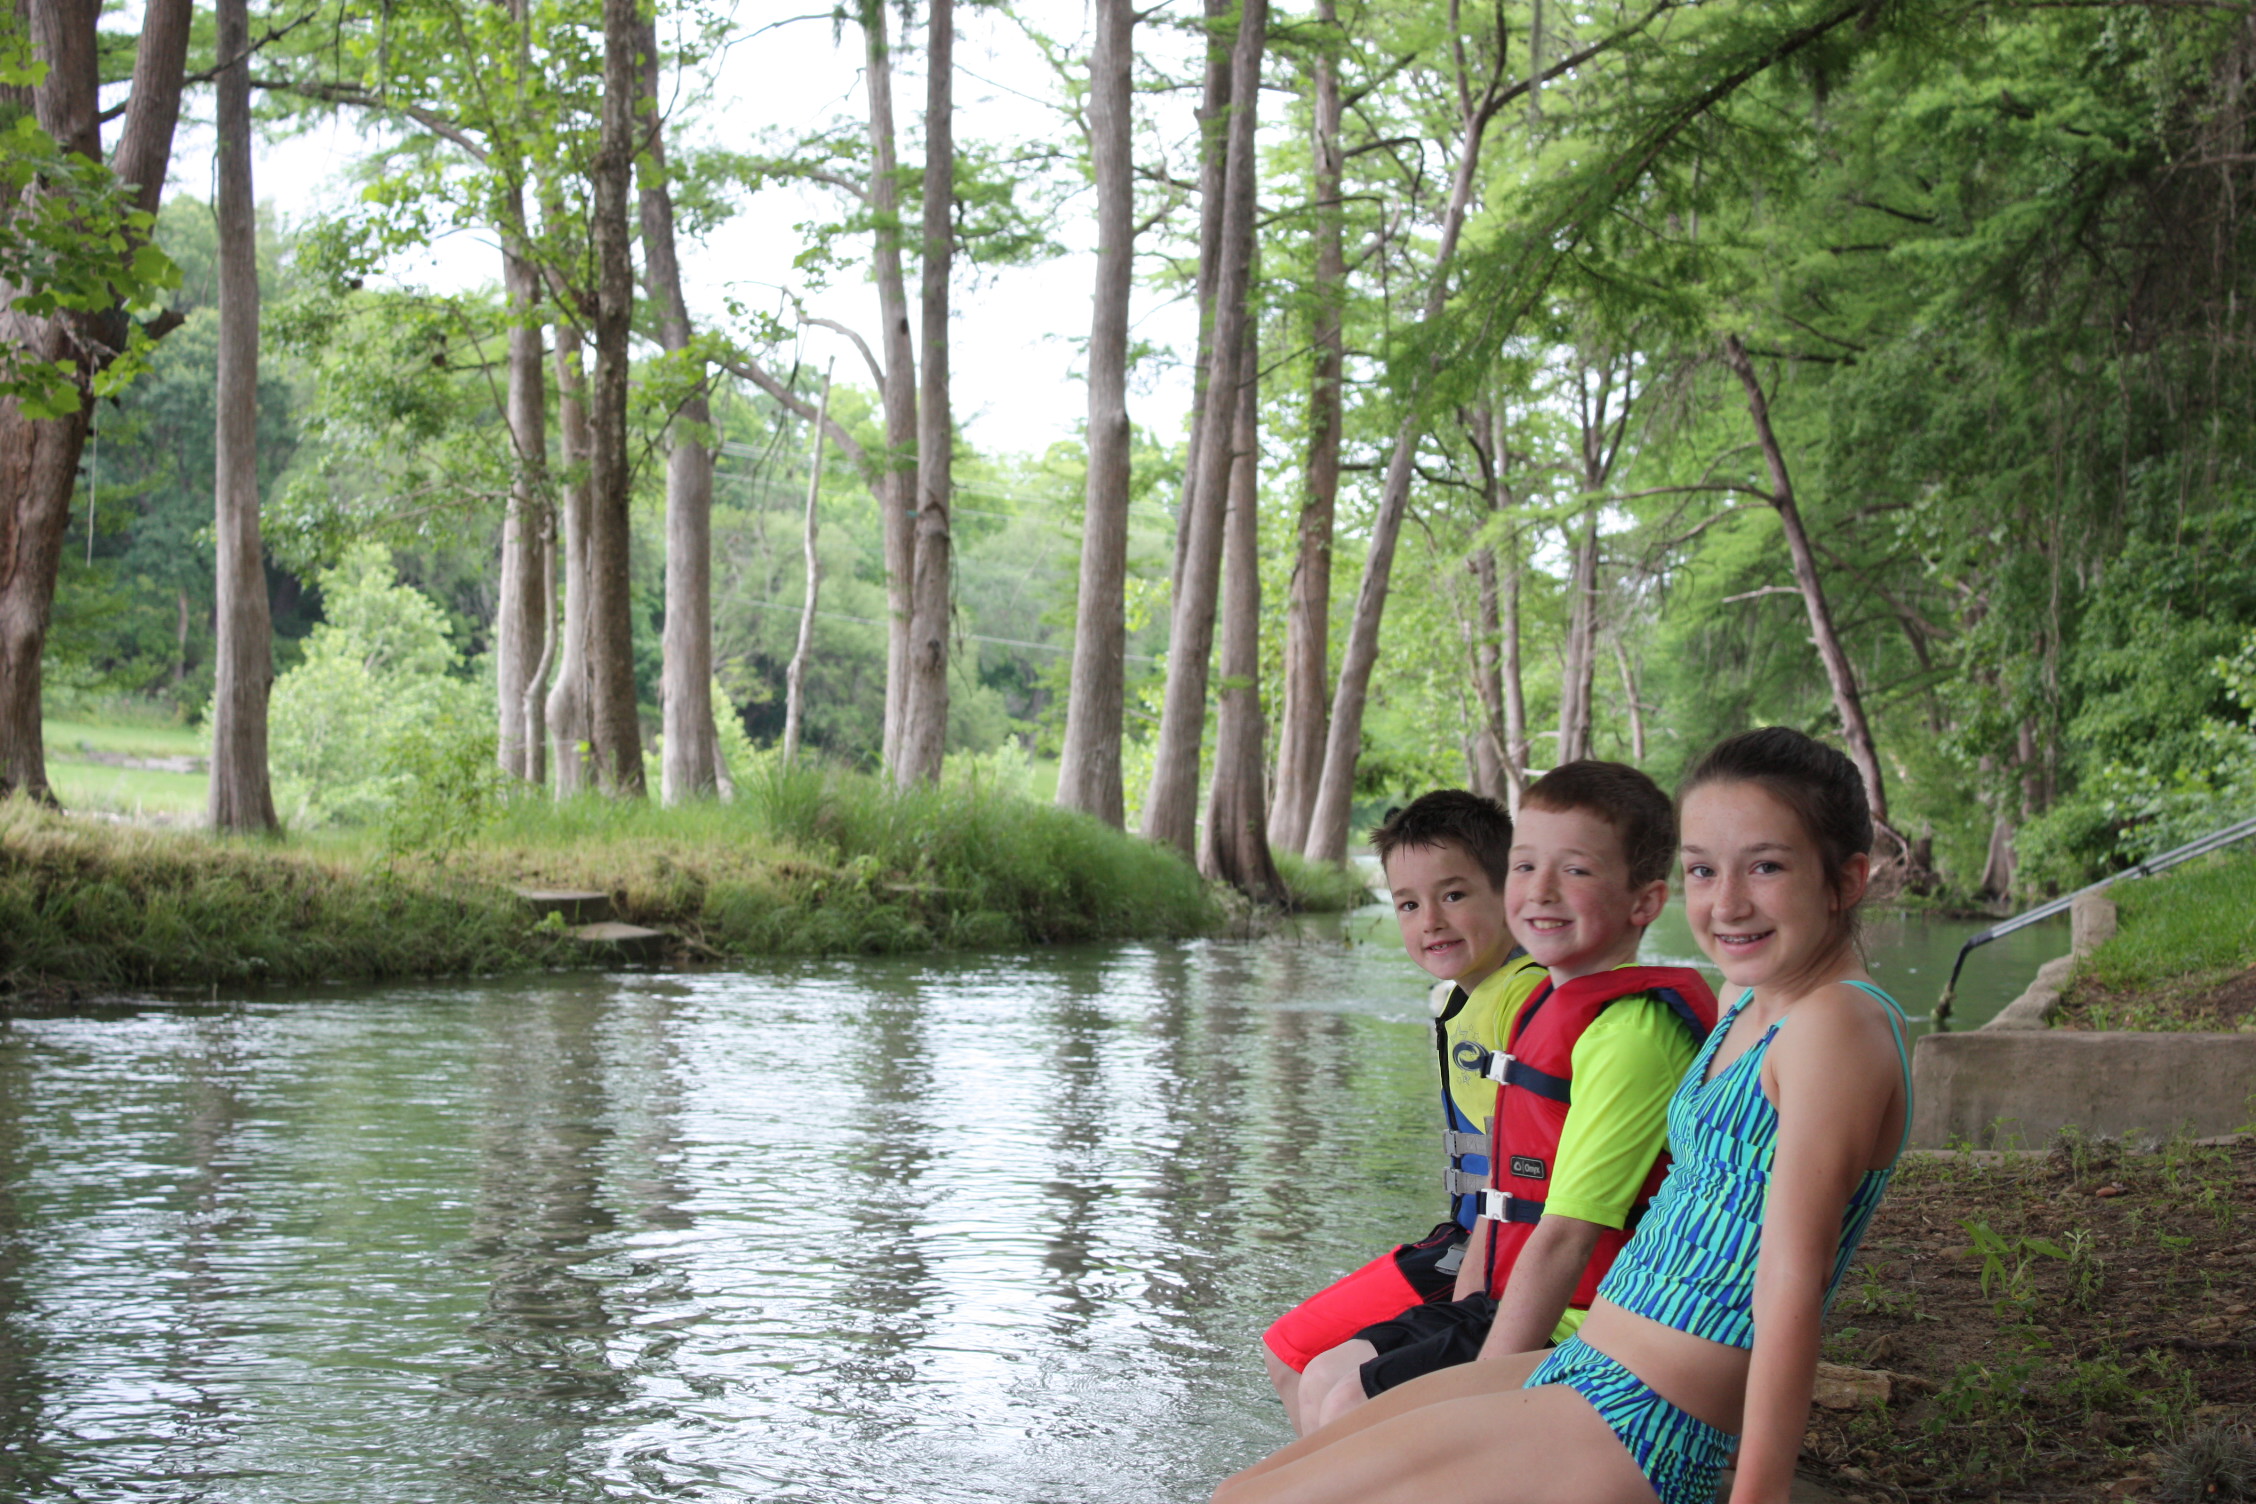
1755,888
1569,897
1452,916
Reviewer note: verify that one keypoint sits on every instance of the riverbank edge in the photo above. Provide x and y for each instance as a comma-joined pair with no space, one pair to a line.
2181,957
91,908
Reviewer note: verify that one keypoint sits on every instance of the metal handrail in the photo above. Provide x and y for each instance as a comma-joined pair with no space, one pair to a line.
2213,841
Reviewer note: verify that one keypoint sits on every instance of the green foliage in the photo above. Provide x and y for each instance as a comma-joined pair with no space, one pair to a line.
2195,923
71,242
96,908
1320,887
446,787
378,700
2005,1261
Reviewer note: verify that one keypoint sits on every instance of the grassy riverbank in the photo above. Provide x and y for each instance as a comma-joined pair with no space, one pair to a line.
2071,1325
2184,957
807,861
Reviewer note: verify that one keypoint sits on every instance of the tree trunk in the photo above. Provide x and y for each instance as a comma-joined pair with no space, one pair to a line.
615,732
689,761
1308,607
1343,742
1847,703
1089,766
795,677
1579,671
569,731
924,722
1636,711
1171,802
896,491
39,456
1488,757
532,713
1997,865
243,658
1213,119
1515,687
518,630
1236,848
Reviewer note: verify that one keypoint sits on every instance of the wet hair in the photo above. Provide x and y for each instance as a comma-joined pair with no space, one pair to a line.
1624,798
1450,817
1817,782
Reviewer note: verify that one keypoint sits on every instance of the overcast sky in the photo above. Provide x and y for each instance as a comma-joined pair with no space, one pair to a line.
1014,354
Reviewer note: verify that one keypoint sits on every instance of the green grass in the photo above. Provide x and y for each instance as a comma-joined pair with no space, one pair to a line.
805,861
140,793
71,738
2180,936
1321,887
2194,926
158,794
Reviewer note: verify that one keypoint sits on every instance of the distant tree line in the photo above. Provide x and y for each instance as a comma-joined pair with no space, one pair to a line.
1568,382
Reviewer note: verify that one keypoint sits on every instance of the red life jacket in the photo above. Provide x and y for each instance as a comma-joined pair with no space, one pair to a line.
1532,1096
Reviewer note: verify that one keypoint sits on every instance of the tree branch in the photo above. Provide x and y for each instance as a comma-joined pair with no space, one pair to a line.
324,92
752,371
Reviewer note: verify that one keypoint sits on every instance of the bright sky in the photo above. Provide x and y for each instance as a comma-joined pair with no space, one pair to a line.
1014,353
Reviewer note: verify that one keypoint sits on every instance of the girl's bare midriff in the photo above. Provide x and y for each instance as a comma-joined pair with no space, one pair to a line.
1707,1380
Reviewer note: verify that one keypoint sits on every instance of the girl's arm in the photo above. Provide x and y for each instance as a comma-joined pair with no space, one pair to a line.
1832,1071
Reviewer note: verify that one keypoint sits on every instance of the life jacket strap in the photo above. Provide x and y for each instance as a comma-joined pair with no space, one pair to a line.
1457,1143
1511,1071
1456,1182
1503,1206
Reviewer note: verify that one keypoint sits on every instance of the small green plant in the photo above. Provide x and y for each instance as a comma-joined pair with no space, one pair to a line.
2082,1154
2005,1262
2087,1271
445,787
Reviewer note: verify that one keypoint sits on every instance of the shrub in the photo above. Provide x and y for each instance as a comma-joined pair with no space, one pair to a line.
378,673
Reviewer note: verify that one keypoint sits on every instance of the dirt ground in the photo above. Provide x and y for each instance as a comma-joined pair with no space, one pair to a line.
2211,1007
2049,1324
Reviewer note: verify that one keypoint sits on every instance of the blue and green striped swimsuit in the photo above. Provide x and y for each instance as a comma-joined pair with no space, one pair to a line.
1691,1265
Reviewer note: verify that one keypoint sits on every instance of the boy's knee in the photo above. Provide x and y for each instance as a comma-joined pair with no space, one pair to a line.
1284,1380
1331,1375
1341,1400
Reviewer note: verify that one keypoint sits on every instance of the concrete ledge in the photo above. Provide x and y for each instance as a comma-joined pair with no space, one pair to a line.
2039,1081
2091,924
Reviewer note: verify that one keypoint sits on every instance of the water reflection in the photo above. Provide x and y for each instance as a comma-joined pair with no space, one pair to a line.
996,1229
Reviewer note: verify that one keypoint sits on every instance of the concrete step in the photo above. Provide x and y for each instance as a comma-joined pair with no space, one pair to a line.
624,942
577,908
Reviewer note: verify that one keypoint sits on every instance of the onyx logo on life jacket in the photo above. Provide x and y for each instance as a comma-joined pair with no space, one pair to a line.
1470,1056
1528,1167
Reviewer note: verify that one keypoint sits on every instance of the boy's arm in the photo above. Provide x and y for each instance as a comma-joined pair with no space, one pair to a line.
1543,1279
1472,1275
1626,1067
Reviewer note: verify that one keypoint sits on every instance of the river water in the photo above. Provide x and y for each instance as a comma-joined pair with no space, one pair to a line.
995,1228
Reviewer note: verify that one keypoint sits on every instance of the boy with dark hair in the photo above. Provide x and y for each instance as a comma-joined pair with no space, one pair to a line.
1583,1079
1445,857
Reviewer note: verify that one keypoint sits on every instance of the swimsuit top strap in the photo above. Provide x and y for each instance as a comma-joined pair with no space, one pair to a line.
1897,1025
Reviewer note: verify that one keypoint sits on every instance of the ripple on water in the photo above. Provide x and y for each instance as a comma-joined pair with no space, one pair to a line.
933,1230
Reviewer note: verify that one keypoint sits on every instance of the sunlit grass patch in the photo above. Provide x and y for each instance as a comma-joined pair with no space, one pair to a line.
1322,887
2181,956
806,860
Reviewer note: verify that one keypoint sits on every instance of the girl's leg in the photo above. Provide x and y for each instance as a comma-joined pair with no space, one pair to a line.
1511,1446
1490,1376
